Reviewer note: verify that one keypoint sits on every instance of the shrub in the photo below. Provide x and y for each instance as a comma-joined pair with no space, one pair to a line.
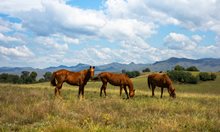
204,76
183,76
192,68
213,76
132,74
146,70
192,79
179,68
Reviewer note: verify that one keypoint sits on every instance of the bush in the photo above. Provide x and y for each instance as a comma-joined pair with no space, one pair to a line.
204,76
9,78
146,70
192,79
183,77
132,74
179,68
192,68
213,76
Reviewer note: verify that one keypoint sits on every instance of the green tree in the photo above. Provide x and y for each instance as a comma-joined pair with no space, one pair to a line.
213,76
47,76
192,68
132,74
33,77
25,76
146,70
204,76
179,68
183,77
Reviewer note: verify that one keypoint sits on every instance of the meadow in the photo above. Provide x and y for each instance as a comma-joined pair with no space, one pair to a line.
32,107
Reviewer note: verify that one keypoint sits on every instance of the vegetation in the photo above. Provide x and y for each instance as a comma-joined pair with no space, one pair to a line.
32,107
192,68
132,74
179,68
25,78
146,70
9,78
47,77
205,76
183,77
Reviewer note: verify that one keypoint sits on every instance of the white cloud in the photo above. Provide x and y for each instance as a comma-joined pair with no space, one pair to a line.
196,14
51,42
65,39
179,42
56,16
197,38
19,51
13,6
121,29
54,27
4,38
6,26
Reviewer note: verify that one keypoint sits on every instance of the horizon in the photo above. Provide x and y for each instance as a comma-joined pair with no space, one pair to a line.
69,32
103,64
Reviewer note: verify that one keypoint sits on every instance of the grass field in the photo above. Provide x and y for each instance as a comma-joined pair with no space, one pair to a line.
34,108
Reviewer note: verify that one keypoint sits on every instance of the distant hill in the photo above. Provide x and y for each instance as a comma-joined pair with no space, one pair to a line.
206,64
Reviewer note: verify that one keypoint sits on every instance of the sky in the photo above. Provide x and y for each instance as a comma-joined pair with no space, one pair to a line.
43,33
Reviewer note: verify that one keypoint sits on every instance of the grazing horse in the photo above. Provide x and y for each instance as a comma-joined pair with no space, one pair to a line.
161,80
121,80
73,78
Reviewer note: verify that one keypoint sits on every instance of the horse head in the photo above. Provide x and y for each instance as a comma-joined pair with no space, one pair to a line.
91,71
172,91
132,93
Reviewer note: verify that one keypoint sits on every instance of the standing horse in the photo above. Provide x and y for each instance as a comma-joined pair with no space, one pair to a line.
163,81
73,78
121,80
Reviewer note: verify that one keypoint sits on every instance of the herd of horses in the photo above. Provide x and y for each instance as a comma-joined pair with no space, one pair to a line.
122,80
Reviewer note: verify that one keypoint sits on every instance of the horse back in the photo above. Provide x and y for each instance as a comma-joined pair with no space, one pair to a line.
161,80
114,78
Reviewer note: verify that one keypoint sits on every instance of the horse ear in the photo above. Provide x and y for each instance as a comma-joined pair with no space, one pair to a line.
93,67
90,67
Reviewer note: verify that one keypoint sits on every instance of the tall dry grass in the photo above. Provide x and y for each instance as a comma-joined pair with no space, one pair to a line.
34,108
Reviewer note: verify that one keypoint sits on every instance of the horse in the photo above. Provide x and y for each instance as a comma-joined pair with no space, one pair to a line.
73,78
161,80
115,79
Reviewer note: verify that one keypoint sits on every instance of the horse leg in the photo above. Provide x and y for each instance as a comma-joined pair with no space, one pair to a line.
161,92
125,89
120,90
79,92
83,91
153,87
101,90
58,88
105,89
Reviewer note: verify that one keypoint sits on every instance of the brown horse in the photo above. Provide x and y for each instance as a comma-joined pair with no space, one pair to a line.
161,80
121,80
73,78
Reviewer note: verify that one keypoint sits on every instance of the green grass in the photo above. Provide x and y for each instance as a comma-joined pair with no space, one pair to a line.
34,108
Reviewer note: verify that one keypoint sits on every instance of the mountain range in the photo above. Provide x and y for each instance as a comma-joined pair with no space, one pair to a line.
205,64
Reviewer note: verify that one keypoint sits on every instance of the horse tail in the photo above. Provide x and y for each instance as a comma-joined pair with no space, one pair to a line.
53,80
149,82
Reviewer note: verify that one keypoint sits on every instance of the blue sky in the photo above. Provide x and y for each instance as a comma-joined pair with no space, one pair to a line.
43,33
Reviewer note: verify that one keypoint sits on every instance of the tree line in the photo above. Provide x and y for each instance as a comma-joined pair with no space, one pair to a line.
178,74
26,77
184,75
